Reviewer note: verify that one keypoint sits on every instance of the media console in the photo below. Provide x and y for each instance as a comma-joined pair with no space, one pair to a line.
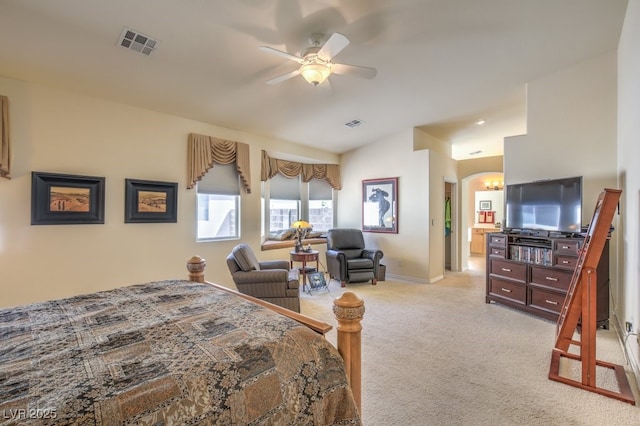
532,272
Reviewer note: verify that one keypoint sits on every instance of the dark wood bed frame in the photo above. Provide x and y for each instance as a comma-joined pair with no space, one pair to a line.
348,309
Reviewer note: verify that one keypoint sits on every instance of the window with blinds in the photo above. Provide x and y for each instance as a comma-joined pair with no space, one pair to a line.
290,200
320,205
284,202
219,204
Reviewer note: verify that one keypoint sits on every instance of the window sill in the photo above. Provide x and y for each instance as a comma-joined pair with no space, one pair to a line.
273,245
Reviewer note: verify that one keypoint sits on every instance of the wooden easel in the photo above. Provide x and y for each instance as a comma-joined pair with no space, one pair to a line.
580,306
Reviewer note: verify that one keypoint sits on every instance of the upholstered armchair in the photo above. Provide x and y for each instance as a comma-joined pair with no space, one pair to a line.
271,281
347,258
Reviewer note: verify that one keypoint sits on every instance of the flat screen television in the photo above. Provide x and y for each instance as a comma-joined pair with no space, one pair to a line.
553,205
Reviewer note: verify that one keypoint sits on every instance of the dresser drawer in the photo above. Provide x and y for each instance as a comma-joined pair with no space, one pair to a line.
508,290
546,300
567,246
551,278
497,252
514,271
498,240
566,262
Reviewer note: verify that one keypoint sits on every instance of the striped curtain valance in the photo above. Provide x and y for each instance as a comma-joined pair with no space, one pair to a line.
205,151
272,166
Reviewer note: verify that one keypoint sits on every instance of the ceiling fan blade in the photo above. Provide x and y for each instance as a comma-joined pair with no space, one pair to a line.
280,53
333,46
354,70
283,77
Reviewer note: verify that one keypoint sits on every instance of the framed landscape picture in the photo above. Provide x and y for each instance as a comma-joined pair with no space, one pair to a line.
380,205
149,201
60,199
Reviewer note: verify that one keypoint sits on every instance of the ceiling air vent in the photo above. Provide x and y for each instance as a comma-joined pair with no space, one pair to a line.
138,42
354,123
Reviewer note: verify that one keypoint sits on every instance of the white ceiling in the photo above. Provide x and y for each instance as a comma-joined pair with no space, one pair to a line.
442,64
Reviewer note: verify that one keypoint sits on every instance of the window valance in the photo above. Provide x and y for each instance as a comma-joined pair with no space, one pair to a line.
5,145
204,151
290,169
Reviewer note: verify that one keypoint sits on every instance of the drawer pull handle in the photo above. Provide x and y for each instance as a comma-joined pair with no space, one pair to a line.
551,302
565,261
506,269
565,247
506,290
551,278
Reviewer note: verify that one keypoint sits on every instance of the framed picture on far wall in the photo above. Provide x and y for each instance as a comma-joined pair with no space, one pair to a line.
148,201
485,205
60,199
380,205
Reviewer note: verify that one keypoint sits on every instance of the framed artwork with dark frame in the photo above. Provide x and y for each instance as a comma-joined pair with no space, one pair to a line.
148,201
61,199
484,205
380,205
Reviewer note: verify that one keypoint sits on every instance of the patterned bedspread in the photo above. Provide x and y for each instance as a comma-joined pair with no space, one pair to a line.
166,353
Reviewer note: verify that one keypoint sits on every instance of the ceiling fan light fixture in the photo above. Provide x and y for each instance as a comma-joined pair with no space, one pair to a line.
315,73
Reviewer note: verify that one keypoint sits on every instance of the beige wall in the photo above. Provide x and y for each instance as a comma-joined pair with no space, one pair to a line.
61,132
406,254
628,153
422,163
441,168
571,122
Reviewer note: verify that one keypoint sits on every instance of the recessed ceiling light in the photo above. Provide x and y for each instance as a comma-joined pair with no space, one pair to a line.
480,122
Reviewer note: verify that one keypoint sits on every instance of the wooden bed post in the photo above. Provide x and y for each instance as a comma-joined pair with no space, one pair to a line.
349,310
196,266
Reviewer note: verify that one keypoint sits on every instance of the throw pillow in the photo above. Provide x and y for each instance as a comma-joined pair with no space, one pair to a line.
281,235
245,258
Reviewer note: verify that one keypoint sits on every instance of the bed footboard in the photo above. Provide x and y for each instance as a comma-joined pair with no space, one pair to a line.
348,309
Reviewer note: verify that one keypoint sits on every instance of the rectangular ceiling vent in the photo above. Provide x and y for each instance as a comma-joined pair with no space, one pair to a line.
354,123
136,41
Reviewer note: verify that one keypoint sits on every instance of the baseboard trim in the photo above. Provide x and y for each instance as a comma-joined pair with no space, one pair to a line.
634,366
436,279
406,278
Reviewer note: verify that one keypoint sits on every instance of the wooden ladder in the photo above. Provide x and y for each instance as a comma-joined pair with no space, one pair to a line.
580,308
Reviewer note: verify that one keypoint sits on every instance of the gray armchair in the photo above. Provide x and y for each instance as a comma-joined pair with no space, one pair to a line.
271,281
347,258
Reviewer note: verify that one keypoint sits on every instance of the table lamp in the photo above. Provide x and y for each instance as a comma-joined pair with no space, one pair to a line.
301,227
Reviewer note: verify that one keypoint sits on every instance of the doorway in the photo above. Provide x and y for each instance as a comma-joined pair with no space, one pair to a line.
450,227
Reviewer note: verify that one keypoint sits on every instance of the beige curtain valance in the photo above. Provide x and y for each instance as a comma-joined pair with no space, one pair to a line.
272,166
204,151
5,143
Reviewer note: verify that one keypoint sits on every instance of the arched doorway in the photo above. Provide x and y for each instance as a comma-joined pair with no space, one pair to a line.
480,190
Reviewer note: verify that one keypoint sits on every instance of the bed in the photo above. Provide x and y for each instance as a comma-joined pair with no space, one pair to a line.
176,352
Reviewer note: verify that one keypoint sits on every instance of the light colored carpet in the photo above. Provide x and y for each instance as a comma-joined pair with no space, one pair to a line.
437,354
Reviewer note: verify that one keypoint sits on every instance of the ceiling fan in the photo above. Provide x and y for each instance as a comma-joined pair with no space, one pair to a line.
316,61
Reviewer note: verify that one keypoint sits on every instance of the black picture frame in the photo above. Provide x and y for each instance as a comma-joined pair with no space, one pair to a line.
63,199
380,205
484,205
148,201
